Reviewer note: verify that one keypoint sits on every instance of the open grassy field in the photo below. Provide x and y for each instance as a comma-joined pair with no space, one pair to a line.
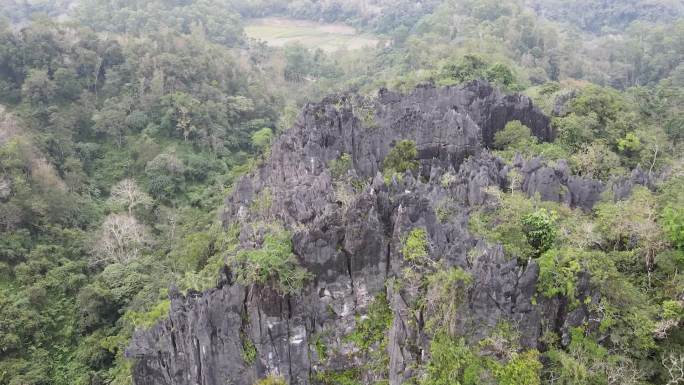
278,32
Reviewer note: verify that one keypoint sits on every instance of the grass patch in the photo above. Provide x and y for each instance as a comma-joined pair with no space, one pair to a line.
278,32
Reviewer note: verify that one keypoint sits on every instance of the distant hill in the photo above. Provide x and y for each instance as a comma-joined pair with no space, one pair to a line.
608,16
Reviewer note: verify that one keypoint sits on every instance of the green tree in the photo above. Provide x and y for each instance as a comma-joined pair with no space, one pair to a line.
540,229
401,158
466,68
38,89
672,219
262,139
596,160
515,135
500,74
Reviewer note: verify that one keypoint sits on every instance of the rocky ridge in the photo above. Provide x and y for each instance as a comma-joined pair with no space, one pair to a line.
349,237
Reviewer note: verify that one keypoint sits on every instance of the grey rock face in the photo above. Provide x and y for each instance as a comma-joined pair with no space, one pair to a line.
557,185
350,240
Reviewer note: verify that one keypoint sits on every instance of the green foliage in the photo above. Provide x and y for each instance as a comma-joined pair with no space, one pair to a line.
514,134
587,362
630,143
249,351
516,138
454,362
549,88
401,158
470,67
504,225
212,18
451,361
262,202
631,224
340,166
372,329
672,220
149,318
540,229
446,290
521,369
87,111
320,347
574,130
597,161
500,74
445,209
673,310
341,377
272,264
262,139
415,248
674,128
271,380
558,271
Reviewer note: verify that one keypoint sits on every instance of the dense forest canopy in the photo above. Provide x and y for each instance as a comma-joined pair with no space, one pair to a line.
123,124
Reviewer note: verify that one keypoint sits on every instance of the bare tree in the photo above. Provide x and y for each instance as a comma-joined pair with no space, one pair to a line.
663,327
622,372
121,239
128,194
674,364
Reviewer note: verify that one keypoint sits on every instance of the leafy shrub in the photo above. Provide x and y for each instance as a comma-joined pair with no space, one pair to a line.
630,226
586,362
549,88
629,144
272,380
672,220
466,68
339,167
273,263
596,160
540,229
504,224
262,139
470,67
150,318
162,187
500,74
574,131
557,273
401,158
446,290
262,202
415,247
516,138
673,310
522,369
451,362
448,179
249,351
339,377
514,134
372,329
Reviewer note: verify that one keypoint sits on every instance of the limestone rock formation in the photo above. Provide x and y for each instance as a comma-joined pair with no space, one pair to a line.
349,238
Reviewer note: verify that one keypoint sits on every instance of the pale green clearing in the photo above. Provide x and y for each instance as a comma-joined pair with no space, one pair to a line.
277,32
